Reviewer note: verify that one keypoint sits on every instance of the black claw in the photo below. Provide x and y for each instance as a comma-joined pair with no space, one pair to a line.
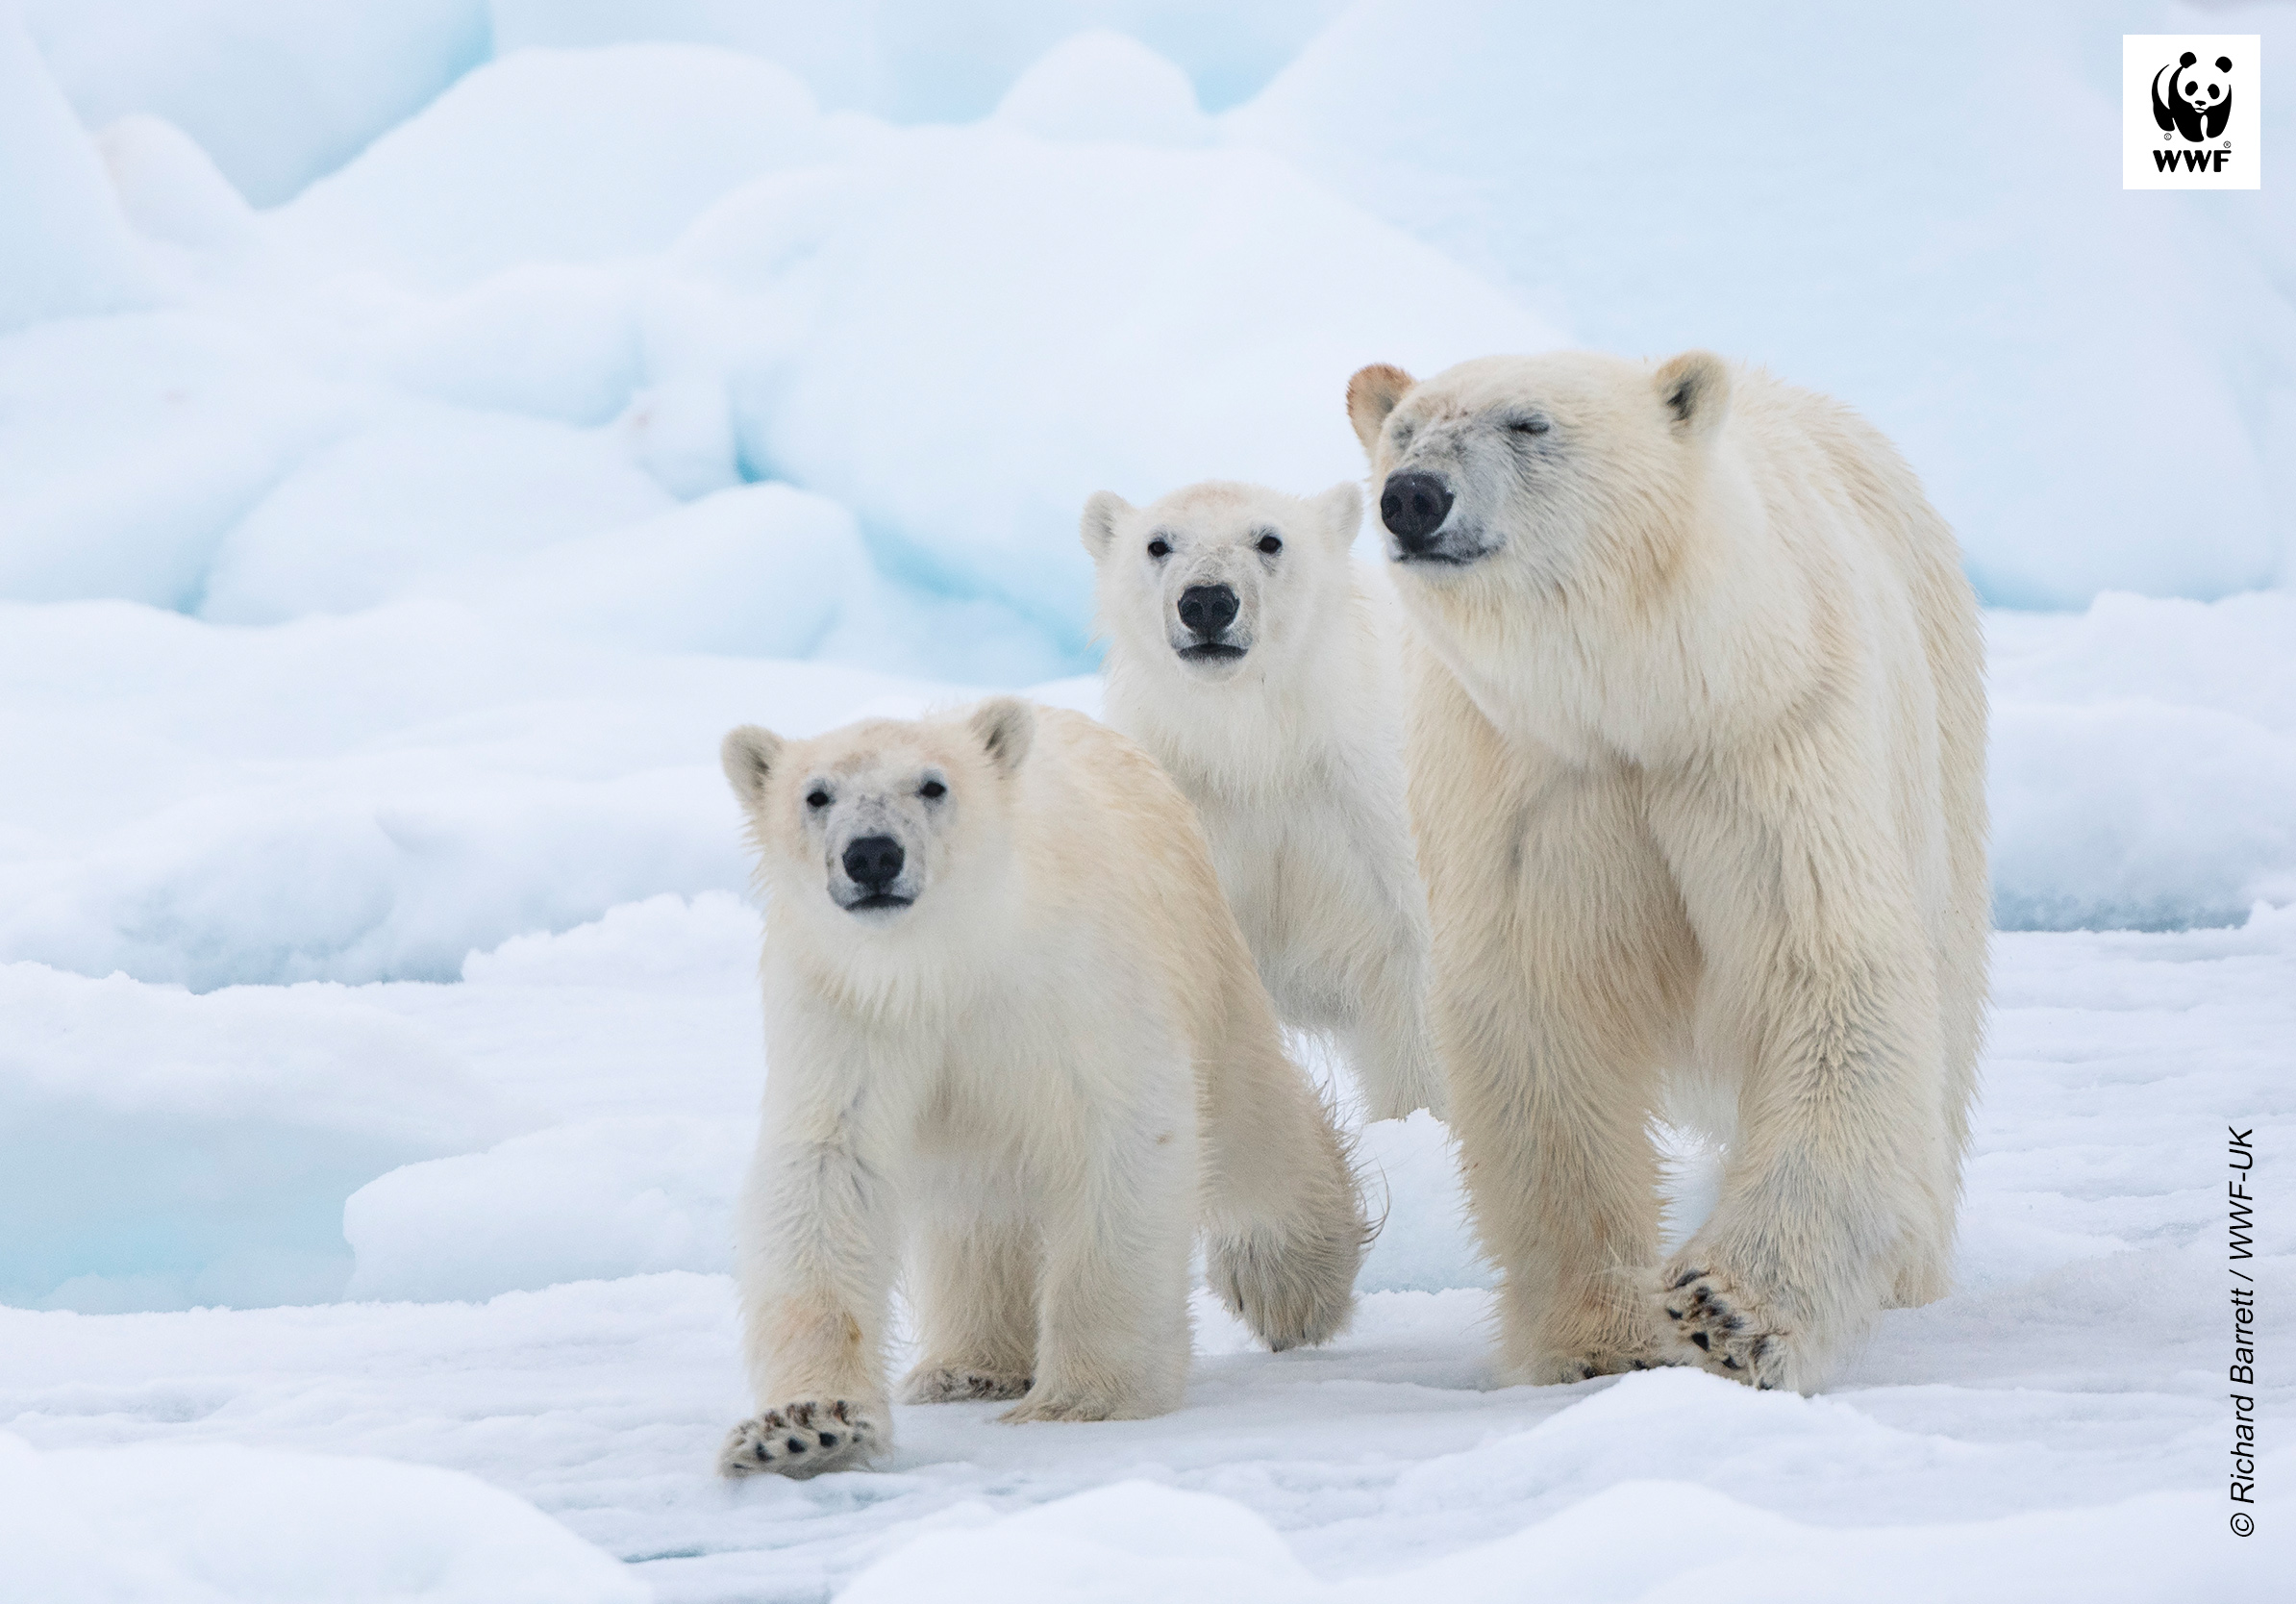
1674,1314
1736,1323
796,1444
1731,1364
1684,1279
762,1452
1701,1340
829,1439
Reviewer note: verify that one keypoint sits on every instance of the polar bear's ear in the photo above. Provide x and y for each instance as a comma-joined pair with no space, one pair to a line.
749,754
1003,725
1341,509
1694,387
1371,395
1099,525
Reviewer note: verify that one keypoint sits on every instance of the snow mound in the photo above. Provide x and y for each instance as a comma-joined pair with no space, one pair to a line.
373,517
591,1201
171,190
1643,175
901,352
915,61
169,1149
1105,86
1144,1542
2143,762
557,156
218,1523
70,250
278,91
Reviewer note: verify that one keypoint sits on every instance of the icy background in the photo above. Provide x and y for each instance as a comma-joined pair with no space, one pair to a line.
425,426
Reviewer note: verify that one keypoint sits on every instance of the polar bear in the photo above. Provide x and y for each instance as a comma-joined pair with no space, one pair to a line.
1255,660
1697,768
1014,1034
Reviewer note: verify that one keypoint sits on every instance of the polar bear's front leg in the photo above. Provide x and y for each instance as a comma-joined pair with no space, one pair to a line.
816,1272
974,1288
1819,983
1562,971
1113,1337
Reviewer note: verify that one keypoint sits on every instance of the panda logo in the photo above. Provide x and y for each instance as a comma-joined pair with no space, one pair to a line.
2199,101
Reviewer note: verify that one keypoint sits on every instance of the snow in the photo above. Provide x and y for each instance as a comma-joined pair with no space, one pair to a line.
2062,1415
220,1522
425,428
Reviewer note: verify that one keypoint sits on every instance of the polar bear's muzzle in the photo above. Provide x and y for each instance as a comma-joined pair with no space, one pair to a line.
1415,506
873,865
1207,619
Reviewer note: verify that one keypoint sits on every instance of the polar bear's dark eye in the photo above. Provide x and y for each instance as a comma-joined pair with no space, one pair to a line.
817,798
932,788
1160,549
1269,544
1529,425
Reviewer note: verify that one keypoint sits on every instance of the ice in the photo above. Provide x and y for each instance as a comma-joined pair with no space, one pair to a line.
412,499
913,60
69,249
278,91
557,156
2061,1414
224,1524
1901,209
1220,301
167,1149
1103,85
2144,761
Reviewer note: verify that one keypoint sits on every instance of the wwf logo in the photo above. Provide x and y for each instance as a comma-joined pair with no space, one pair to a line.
2192,98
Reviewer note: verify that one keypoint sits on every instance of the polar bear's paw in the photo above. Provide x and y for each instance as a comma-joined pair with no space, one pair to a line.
930,1384
801,1440
1555,1369
1733,1334
1082,1405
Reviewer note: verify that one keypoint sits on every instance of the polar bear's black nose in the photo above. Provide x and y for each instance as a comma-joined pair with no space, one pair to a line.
1413,506
1208,609
874,861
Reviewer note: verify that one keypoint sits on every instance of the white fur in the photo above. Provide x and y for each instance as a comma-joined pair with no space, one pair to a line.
1697,770
1034,1082
1292,753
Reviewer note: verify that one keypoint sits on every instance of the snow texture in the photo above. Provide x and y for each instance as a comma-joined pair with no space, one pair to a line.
426,427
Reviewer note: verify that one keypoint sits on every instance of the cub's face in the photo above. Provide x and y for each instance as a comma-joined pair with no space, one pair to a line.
1527,465
1216,577
865,824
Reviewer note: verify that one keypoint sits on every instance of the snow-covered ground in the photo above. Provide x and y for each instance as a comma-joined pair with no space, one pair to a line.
425,428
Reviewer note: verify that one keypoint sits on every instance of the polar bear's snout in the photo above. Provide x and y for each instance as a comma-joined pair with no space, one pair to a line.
1205,613
874,863
1413,505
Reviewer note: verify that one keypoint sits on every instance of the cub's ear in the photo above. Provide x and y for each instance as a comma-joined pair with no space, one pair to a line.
1099,525
749,754
1694,389
1371,395
1341,509
1004,726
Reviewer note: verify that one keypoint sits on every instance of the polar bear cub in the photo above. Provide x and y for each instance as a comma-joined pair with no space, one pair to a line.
1256,662
1014,1037
1698,769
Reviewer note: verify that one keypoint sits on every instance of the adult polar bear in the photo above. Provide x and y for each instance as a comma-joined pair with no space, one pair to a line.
1013,1030
1697,769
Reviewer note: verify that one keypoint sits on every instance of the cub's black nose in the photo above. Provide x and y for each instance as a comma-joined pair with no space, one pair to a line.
874,861
1208,609
1413,506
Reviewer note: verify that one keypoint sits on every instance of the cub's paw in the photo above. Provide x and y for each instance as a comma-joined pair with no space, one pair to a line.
1077,1406
1552,1369
1728,1332
801,1440
930,1384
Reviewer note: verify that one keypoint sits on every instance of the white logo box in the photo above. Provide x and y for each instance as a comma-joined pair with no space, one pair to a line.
2154,157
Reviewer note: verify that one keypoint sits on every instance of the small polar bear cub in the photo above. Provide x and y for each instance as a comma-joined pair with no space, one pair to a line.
1016,1039
1256,662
